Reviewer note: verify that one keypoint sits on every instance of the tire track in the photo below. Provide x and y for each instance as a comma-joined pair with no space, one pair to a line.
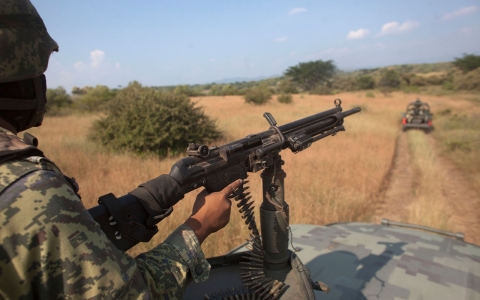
398,186
400,190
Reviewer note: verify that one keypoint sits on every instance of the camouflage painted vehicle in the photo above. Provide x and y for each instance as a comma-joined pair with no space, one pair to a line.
361,261
417,116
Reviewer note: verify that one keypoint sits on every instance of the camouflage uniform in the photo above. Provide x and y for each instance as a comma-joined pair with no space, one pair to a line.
51,247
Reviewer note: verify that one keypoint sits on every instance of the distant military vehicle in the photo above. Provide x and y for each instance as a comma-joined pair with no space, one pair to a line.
417,116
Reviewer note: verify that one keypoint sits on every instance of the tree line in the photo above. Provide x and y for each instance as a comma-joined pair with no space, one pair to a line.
133,117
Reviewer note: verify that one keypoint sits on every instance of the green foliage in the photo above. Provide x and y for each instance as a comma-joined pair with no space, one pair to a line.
186,90
449,86
58,102
468,62
285,98
287,86
344,83
389,79
365,82
469,81
311,74
95,99
144,120
258,95
370,95
79,91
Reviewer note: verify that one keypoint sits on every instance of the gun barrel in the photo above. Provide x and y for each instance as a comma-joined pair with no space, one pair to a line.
295,125
351,111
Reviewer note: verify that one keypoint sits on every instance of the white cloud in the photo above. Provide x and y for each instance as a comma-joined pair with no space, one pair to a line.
96,57
297,10
460,12
359,34
293,53
281,39
117,66
395,27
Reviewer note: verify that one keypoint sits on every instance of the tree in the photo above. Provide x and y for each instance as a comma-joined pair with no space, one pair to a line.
57,100
95,98
144,120
468,62
310,74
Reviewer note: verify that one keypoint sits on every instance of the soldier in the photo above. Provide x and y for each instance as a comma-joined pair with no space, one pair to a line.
50,246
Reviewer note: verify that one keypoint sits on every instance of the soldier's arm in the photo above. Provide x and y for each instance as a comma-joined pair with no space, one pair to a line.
52,248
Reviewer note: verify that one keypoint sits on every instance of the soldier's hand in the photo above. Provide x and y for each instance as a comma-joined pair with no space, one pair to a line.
211,212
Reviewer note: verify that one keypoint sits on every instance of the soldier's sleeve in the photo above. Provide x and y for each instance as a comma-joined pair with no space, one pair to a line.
51,248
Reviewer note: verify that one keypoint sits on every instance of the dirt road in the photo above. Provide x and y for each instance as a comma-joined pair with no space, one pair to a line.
449,192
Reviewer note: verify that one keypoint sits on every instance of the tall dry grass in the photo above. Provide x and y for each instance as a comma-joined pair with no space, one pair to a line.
431,207
337,179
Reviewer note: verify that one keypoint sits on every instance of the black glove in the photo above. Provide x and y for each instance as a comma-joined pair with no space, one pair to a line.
163,191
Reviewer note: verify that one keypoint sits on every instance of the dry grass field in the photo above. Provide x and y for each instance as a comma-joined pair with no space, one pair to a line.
340,178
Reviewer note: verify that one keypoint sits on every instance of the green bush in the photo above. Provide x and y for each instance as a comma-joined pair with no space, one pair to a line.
58,102
370,95
95,99
390,79
468,62
344,83
258,95
285,98
287,86
143,120
365,82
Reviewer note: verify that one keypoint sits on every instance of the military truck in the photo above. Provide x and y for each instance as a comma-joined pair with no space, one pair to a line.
417,116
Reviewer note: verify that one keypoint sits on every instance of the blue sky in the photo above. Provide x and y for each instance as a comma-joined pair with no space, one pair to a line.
113,42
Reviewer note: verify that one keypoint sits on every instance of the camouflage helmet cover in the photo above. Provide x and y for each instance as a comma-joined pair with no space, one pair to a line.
25,45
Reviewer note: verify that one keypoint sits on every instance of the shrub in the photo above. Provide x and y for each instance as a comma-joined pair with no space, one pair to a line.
285,98
143,120
287,86
365,82
258,95
58,102
370,95
468,62
344,83
95,99
389,79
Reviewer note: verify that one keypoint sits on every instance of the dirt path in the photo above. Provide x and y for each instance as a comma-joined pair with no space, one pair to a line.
462,203
399,186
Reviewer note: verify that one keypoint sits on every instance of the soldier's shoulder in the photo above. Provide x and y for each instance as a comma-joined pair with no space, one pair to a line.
13,170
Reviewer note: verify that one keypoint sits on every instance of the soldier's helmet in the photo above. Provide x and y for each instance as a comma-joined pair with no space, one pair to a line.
25,43
25,48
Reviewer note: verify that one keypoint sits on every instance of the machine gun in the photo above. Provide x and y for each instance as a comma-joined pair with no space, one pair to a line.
216,167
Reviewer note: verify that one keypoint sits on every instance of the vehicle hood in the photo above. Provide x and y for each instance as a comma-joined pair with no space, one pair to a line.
368,261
